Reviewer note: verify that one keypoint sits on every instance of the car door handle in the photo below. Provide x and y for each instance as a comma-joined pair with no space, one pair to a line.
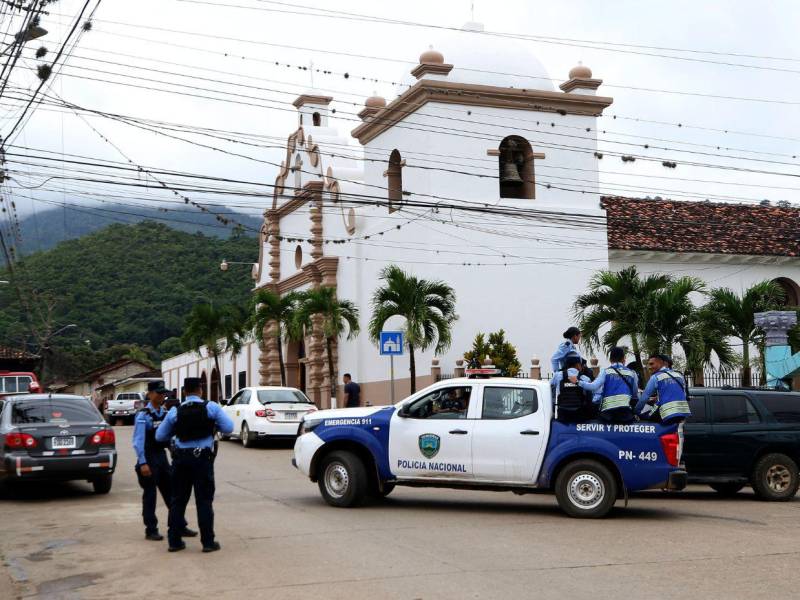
458,432
528,432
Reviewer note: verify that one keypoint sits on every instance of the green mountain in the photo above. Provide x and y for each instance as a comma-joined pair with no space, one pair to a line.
44,229
123,285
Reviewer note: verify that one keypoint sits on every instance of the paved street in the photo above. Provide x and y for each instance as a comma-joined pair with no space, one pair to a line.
281,541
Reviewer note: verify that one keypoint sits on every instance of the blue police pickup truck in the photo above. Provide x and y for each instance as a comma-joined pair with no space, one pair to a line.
486,434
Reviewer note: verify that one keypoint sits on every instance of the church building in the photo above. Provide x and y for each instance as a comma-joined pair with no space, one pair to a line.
445,180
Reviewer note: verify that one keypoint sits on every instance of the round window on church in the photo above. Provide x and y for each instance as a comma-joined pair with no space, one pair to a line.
298,256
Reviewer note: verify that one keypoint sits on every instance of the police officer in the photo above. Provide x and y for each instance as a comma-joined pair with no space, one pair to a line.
614,388
572,337
193,424
669,387
152,466
568,397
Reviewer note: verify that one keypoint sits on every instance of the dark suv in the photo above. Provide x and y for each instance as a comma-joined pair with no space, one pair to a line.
737,437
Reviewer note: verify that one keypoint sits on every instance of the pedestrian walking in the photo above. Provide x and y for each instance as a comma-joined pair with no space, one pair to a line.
352,392
152,465
193,424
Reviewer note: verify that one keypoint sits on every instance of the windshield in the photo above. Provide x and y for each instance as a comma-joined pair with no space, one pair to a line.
272,396
54,411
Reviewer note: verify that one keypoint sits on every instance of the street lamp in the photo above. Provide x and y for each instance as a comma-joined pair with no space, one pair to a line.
224,265
33,32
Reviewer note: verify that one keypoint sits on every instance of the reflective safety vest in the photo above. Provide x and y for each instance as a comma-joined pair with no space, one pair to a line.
617,388
671,390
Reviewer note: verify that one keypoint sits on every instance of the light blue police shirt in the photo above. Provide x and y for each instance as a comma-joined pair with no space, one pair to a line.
215,413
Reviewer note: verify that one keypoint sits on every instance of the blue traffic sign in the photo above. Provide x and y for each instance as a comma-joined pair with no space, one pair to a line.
391,343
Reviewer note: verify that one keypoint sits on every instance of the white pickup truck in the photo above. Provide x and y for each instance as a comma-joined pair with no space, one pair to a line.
124,406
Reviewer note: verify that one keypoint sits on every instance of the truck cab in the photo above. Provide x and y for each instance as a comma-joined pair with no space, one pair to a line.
489,433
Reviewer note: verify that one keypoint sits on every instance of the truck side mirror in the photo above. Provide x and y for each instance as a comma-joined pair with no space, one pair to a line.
403,411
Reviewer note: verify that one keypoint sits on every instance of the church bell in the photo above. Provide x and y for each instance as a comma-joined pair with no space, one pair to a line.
510,174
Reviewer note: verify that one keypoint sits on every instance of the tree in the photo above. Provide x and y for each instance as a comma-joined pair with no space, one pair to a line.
617,300
428,308
502,352
270,307
219,329
670,315
336,316
735,314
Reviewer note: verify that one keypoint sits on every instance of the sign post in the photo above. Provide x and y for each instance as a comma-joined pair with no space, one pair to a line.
391,345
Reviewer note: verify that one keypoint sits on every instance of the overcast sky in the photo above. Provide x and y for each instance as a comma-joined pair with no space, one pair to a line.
134,33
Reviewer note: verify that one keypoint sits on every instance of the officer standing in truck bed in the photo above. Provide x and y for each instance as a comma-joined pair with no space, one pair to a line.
193,424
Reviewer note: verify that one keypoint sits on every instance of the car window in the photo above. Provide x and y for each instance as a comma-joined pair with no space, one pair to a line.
54,411
697,404
23,383
10,384
244,398
784,407
508,402
271,396
444,403
733,408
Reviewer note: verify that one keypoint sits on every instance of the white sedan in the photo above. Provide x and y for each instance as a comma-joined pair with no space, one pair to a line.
267,412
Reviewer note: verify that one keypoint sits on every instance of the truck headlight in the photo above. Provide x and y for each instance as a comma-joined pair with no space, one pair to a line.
307,426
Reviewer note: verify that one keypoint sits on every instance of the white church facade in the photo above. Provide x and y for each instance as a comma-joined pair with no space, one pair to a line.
444,182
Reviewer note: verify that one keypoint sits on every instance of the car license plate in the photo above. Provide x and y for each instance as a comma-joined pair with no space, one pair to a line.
290,416
67,441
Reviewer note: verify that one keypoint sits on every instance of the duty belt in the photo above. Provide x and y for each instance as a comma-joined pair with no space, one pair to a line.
196,452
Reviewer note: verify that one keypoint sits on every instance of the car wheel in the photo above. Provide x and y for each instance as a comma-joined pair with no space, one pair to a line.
342,479
729,488
775,478
586,489
246,436
102,485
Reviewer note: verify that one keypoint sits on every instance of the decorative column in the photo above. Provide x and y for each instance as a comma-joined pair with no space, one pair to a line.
315,214
780,362
536,369
269,369
459,370
595,367
436,370
316,364
273,231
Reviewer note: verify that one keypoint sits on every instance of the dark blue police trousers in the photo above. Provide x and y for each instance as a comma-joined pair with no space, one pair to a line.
192,472
160,480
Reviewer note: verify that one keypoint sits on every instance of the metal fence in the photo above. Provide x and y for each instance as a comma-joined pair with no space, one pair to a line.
729,378
520,375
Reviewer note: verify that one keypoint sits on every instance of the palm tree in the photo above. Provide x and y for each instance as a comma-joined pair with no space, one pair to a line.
616,299
268,307
428,308
219,329
670,316
336,316
735,314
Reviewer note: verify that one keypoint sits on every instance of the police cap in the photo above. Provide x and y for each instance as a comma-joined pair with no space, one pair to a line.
192,383
157,387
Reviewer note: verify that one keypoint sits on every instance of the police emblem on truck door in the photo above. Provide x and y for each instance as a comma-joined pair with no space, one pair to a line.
429,444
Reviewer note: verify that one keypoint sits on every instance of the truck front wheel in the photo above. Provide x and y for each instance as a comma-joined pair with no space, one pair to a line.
586,489
342,479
